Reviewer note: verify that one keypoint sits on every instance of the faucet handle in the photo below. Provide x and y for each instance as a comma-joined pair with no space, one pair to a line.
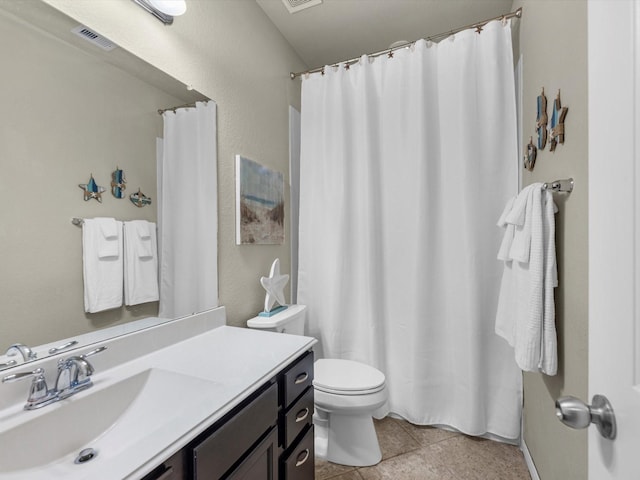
62,347
93,352
19,376
39,394
7,364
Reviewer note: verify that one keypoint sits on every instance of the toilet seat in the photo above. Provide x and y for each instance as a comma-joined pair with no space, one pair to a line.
346,377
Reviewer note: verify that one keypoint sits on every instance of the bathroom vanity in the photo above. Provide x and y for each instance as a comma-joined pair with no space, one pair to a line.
190,399
268,436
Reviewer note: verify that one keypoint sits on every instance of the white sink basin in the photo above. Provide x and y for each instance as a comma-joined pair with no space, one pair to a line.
111,420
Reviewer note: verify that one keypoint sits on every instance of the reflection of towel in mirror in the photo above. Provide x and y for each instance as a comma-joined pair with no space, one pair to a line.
526,309
140,262
102,264
109,242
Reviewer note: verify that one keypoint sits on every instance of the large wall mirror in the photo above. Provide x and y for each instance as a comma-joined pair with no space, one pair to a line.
70,110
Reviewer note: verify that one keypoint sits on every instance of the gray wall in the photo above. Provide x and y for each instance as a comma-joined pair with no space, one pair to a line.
553,43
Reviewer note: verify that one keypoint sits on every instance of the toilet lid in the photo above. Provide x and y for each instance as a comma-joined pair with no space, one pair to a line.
337,375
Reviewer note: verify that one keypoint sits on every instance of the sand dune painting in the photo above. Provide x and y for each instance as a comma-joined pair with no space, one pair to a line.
259,203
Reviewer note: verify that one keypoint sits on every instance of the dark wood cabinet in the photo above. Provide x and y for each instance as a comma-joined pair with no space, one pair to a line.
217,452
268,436
295,420
261,463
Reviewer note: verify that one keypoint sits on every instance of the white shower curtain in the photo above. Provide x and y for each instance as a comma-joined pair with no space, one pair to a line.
406,164
188,212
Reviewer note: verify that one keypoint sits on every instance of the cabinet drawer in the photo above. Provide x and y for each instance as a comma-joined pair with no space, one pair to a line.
297,379
299,464
214,455
296,418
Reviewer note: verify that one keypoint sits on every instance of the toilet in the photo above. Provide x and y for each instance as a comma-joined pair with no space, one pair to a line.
346,395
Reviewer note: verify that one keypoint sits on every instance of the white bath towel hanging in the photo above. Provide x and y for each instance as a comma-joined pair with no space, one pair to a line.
102,264
140,262
526,310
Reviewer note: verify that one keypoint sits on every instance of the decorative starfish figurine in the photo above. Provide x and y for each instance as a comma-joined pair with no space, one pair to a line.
92,190
274,285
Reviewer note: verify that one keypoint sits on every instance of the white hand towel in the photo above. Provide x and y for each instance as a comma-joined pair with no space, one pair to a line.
109,241
526,311
520,218
102,275
528,331
144,247
549,353
140,263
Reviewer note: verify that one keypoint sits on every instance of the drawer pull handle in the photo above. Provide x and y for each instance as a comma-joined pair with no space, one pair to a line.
305,455
301,378
302,415
166,474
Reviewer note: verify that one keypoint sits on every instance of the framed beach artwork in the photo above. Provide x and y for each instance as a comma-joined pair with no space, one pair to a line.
259,204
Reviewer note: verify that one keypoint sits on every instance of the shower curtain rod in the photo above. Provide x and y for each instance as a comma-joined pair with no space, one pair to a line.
389,51
173,109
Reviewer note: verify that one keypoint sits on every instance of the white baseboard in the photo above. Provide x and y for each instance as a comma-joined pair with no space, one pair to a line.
527,457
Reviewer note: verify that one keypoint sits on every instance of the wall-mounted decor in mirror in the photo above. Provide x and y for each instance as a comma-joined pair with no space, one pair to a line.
70,109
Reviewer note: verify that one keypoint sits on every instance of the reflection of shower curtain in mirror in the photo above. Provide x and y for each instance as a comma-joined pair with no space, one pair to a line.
406,165
188,211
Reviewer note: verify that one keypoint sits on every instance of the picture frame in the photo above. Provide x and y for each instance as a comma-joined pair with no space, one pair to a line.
260,199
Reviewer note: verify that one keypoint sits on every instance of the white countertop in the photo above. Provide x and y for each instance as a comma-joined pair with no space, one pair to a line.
232,362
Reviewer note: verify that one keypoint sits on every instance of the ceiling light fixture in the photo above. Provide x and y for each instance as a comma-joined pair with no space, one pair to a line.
164,10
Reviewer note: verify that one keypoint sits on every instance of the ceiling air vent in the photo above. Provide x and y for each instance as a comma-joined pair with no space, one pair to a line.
91,36
296,5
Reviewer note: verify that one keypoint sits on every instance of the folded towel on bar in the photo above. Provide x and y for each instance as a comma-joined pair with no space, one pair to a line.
520,218
102,273
140,262
526,311
144,247
108,244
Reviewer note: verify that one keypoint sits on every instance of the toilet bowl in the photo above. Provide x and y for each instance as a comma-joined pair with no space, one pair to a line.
346,395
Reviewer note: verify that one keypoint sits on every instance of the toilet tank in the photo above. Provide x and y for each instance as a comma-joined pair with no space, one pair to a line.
290,320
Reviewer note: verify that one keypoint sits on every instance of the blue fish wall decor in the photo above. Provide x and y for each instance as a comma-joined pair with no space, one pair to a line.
139,199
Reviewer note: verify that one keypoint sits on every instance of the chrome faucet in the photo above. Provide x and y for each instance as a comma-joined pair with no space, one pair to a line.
39,393
74,375
26,352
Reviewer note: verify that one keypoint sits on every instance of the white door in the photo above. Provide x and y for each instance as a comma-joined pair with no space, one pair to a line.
614,232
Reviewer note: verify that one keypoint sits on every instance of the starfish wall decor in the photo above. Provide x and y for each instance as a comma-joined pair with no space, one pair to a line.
92,190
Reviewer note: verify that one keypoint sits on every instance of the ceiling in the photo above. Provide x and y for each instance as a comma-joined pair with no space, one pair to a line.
338,30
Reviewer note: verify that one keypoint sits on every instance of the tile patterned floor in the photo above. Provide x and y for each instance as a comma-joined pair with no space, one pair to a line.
410,452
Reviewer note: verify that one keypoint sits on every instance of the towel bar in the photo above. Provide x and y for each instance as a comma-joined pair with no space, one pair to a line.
563,186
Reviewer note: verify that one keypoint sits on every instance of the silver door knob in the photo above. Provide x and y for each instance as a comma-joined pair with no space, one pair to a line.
574,413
